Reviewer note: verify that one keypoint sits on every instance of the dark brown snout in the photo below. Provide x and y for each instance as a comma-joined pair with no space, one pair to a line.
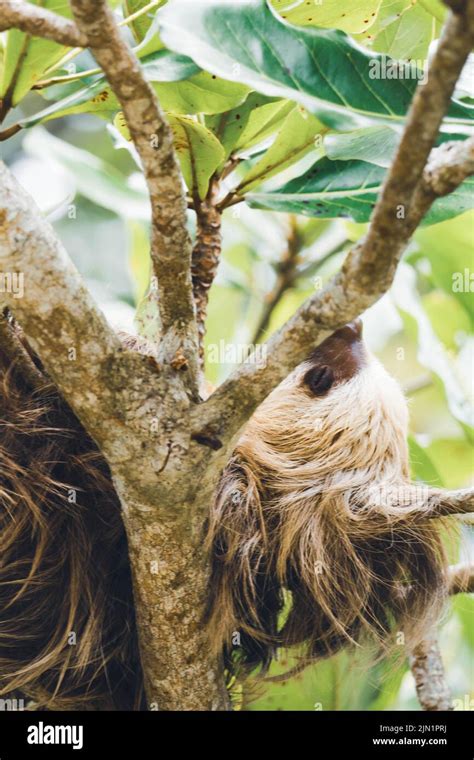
343,353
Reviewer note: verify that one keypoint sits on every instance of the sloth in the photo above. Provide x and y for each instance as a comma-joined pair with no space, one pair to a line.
302,550
312,541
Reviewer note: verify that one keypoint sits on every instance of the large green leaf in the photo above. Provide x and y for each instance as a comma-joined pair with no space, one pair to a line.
294,140
324,70
349,15
332,189
151,41
27,57
376,145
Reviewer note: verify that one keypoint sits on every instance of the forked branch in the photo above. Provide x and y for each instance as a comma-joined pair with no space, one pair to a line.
153,138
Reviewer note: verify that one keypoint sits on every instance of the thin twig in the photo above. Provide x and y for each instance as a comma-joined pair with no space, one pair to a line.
286,270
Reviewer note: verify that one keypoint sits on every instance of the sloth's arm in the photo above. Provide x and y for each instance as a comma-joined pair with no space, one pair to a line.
415,501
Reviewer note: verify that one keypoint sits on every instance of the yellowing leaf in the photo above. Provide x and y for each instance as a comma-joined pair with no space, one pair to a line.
295,139
352,16
201,93
199,153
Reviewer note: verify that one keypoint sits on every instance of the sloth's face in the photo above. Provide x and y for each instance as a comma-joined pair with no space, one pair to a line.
339,409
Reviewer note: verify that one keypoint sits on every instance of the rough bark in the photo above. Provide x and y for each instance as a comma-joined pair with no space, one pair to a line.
430,682
170,589
206,255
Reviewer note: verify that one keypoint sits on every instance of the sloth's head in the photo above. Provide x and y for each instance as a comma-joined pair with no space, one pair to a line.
305,548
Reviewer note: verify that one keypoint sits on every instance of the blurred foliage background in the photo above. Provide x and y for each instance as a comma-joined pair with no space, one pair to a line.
94,194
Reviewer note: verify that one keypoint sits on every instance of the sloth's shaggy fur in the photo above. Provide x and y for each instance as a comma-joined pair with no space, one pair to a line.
302,507
293,513
67,628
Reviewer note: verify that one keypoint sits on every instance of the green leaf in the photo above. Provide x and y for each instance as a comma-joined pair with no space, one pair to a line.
390,12
295,139
202,93
347,15
263,122
96,97
199,153
437,9
376,145
94,178
27,57
410,36
198,150
323,70
331,189
250,123
404,29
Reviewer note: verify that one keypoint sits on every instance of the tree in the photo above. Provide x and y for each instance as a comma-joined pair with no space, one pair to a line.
166,446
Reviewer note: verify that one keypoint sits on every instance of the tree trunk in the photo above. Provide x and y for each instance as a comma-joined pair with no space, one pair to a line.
170,576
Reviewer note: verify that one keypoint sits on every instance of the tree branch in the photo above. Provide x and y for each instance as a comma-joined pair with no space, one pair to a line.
78,349
428,671
206,255
461,579
369,268
152,136
40,22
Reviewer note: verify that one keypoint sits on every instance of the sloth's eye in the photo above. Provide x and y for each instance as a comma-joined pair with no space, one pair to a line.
319,380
